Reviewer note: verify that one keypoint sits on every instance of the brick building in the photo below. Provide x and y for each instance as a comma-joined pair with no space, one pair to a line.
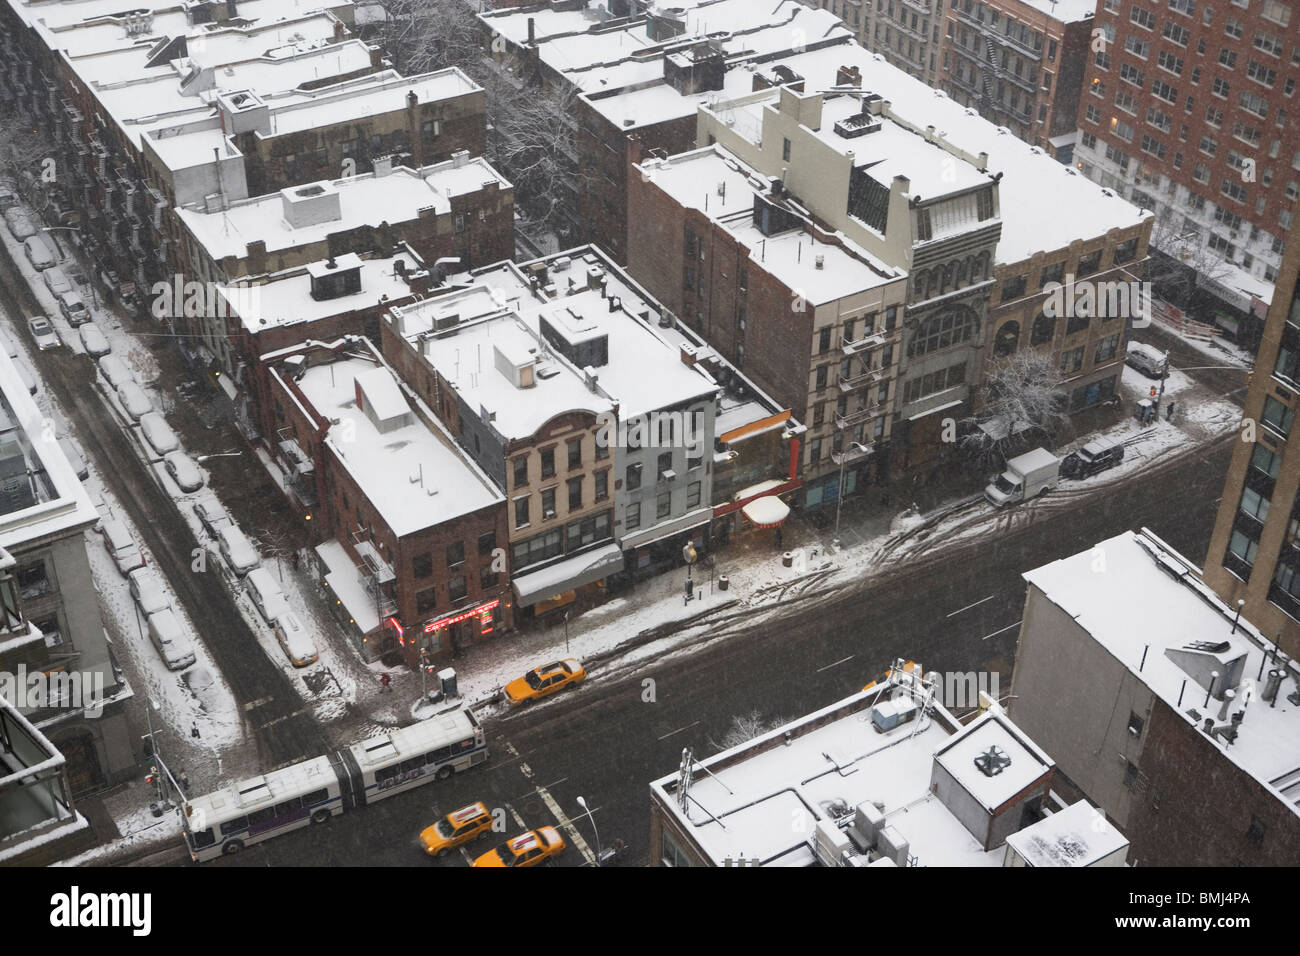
411,529
1158,704
1255,552
1185,112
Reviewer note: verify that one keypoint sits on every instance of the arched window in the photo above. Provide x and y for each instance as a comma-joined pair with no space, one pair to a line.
951,327
1008,339
1044,329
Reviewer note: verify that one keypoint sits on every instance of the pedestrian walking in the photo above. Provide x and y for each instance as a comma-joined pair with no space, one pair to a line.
778,539
183,779
194,731
295,560
386,683
1169,412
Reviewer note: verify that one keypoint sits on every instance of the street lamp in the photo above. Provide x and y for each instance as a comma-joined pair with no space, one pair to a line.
224,454
843,459
601,857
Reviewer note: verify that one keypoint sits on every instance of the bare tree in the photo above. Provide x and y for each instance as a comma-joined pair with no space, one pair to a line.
532,143
1024,397
423,35
1176,273
745,727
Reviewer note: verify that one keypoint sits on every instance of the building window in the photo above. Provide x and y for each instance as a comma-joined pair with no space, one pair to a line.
521,471
521,512
575,453
487,579
1277,416
457,588
693,494
633,477
548,463
785,149
575,494
1107,348
487,543
953,327
1013,288
1254,504
455,554
632,517
1242,548
1043,330
1072,360
426,601
422,566
548,503
602,449
33,581
602,485
1130,774
663,505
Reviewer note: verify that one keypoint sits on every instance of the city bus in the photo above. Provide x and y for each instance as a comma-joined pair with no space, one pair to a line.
310,792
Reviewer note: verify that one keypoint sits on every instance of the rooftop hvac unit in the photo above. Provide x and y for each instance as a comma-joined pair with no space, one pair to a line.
893,845
830,843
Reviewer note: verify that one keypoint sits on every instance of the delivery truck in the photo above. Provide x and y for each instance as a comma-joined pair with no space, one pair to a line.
1027,476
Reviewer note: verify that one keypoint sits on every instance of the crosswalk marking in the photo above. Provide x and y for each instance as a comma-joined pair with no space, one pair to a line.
567,824
254,704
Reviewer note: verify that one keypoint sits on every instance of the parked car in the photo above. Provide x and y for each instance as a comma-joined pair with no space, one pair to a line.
134,401
149,591
295,640
120,545
8,196
265,594
158,434
93,340
237,550
1093,457
20,223
456,828
545,680
533,847
1147,359
115,371
210,514
38,252
43,332
75,458
169,637
73,309
184,471
57,281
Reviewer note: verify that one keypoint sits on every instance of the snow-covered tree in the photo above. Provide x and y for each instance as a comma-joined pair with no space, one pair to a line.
1185,260
744,728
1024,396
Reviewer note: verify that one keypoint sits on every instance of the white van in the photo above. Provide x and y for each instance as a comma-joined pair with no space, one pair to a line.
265,594
149,591
295,640
119,543
39,252
115,371
169,637
158,434
237,550
1147,359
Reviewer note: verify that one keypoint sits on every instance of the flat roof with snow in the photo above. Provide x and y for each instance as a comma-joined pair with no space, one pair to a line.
411,475
1148,601
1079,835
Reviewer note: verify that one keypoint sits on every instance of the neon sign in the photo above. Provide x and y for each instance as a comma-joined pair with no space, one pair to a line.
482,609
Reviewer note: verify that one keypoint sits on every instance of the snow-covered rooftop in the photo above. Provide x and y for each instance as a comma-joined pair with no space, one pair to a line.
366,199
412,476
1066,11
369,95
60,13
764,798
50,499
1079,835
1147,600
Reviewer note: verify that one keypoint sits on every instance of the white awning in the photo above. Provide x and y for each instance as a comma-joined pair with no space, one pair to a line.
666,529
766,512
568,574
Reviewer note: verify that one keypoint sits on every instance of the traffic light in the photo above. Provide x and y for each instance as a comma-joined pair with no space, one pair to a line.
1153,391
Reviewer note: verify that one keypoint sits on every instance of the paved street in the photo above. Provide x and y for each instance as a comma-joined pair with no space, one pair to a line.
956,612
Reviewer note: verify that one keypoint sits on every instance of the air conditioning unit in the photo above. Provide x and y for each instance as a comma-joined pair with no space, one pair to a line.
548,514
668,475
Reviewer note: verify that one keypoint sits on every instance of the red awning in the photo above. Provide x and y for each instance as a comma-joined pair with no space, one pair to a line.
766,512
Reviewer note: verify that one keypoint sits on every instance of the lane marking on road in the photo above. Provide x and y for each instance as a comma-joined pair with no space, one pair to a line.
969,606
280,720
567,824
518,819
678,730
836,664
466,854
526,770
999,631
260,702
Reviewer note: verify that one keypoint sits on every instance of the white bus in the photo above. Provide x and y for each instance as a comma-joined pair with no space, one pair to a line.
312,791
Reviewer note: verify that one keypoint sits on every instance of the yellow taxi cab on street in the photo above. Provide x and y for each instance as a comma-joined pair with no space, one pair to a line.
531,848
544,680
456,828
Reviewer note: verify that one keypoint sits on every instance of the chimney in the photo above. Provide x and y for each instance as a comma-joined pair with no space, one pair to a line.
820,262
532,31
848,76
929,133
383,166
412,100
339,31
689,355
983,162
459,158
614,303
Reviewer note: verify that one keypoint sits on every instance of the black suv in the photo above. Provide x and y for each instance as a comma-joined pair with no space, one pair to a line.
1091,458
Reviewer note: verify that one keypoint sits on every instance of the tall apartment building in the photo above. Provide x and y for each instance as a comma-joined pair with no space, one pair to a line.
907,33
52,620
1185,112
1021,64
1255,551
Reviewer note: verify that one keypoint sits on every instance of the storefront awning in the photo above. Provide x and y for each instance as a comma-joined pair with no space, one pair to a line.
696,519
766,512
568,574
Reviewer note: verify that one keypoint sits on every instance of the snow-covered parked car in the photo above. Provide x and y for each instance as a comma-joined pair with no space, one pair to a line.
20,223
115,371
210,513
184,471
43,332
93,340
149,591
120,545
295,640
169,637
265,594
158,434
237,550
134,401
38,252
73,309
57,281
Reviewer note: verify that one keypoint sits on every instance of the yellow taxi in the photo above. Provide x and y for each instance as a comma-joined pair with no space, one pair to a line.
546,679
467,823
532,848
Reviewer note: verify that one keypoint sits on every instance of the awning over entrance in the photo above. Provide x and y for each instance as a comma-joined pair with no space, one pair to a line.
696,519
766,512
568,574
349,589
